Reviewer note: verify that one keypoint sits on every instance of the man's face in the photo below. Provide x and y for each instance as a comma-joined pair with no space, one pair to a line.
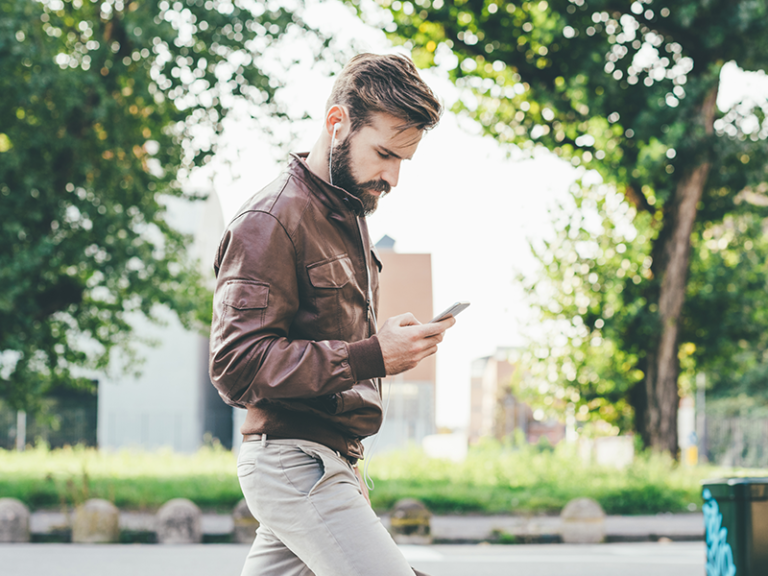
367,163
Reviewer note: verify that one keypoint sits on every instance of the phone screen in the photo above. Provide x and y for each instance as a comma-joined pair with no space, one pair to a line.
453,310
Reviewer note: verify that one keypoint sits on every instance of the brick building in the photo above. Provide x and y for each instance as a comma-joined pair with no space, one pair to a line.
406,286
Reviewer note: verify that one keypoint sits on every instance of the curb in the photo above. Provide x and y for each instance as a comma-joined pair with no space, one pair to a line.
139,527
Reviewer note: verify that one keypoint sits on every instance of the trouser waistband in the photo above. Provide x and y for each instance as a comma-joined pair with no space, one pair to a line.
263,439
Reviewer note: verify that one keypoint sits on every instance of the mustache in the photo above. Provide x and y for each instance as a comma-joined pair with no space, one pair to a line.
376,185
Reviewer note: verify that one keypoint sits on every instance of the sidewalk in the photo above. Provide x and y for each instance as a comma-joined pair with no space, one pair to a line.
636,559
445,529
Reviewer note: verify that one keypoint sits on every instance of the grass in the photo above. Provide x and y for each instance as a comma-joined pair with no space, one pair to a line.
44,478
493,480
528,481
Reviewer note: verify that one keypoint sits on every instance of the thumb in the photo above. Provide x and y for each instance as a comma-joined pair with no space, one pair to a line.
407,319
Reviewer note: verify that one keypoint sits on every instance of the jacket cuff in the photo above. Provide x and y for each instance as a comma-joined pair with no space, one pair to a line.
366,360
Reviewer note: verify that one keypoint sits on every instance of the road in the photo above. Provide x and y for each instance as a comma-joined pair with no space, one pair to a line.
671,559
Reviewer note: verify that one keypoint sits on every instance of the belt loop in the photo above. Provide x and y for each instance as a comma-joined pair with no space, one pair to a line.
263,440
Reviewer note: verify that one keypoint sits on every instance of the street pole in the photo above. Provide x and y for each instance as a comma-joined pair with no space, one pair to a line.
21,430
701,416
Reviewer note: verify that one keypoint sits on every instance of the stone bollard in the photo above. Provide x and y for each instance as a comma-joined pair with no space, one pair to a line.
14,521
179,522
245,523
96,522
583,522
409,522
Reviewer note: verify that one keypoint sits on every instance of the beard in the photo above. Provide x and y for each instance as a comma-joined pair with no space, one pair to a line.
343,177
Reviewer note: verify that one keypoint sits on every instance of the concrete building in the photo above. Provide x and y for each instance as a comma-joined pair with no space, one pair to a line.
171,402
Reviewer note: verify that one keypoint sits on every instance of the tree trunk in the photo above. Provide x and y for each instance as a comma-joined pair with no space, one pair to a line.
663,365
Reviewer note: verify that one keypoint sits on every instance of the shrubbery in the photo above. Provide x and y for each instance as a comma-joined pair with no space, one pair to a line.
499,479
494,479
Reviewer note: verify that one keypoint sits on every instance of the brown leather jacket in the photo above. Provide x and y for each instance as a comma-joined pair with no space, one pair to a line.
293,337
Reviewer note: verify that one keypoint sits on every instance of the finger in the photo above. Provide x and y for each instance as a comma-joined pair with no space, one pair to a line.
427,352
433,340
433,328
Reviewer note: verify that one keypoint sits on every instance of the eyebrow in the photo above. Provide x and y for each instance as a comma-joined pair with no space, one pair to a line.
393,154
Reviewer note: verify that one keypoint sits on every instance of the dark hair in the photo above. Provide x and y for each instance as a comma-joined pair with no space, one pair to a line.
372,83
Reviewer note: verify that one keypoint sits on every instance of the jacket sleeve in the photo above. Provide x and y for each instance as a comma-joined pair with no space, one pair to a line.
255,301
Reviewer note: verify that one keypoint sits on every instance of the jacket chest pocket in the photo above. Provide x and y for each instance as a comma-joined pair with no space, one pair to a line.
333,273
334,289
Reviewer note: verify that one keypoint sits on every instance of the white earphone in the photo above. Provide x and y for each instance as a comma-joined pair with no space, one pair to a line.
330,154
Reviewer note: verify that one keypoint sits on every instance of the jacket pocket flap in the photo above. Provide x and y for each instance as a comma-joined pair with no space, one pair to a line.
334,273
246,294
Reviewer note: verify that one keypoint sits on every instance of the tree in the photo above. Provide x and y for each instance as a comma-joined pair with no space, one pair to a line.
585,361
104,108
629,90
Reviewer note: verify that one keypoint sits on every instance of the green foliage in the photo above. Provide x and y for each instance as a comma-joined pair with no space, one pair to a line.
498,479
494,479
618,89
626,85
44,478
726,321
592,312
593,265
104,108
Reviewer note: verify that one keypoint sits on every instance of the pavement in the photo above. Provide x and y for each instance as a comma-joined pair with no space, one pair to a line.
450,528
633,559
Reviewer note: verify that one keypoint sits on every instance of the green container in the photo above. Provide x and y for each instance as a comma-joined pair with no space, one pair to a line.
736,526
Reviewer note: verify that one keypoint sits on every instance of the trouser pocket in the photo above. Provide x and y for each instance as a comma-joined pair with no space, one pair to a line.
304,469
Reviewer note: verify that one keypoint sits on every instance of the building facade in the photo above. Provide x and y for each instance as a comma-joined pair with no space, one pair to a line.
170,401
406,286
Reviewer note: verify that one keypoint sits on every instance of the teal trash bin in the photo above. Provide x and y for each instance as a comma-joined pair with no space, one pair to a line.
736,526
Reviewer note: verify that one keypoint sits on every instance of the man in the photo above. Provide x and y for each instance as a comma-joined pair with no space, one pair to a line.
294,336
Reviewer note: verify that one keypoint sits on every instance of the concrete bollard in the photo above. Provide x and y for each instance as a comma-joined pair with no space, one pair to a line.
179,522
96,522
410,522
583,522
14,521
245,523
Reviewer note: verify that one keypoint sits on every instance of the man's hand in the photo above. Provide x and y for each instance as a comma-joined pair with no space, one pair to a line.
363,487
405,342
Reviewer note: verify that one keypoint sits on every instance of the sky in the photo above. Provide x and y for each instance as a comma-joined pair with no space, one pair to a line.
462,199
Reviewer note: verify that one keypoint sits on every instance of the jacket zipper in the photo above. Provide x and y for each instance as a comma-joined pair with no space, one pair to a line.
369,312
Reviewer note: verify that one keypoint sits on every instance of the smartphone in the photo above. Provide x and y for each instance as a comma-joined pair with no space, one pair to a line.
452,310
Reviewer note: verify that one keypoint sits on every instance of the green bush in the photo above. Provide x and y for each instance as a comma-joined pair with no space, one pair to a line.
494,479
527,480
44,478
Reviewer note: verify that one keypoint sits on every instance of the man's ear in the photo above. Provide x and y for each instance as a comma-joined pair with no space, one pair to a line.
337,119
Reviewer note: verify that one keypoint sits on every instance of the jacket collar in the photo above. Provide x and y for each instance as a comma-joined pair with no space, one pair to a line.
334,198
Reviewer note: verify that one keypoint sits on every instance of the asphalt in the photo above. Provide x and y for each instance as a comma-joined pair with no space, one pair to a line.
635,559
450,528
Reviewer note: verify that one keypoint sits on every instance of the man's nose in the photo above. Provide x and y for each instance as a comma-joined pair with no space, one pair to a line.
391,173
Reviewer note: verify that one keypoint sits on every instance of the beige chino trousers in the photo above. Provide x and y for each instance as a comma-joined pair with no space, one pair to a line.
314,519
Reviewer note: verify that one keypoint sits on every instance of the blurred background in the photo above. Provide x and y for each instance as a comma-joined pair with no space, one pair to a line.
597,189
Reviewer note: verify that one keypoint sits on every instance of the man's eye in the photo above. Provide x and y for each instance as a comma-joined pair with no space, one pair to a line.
384,156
